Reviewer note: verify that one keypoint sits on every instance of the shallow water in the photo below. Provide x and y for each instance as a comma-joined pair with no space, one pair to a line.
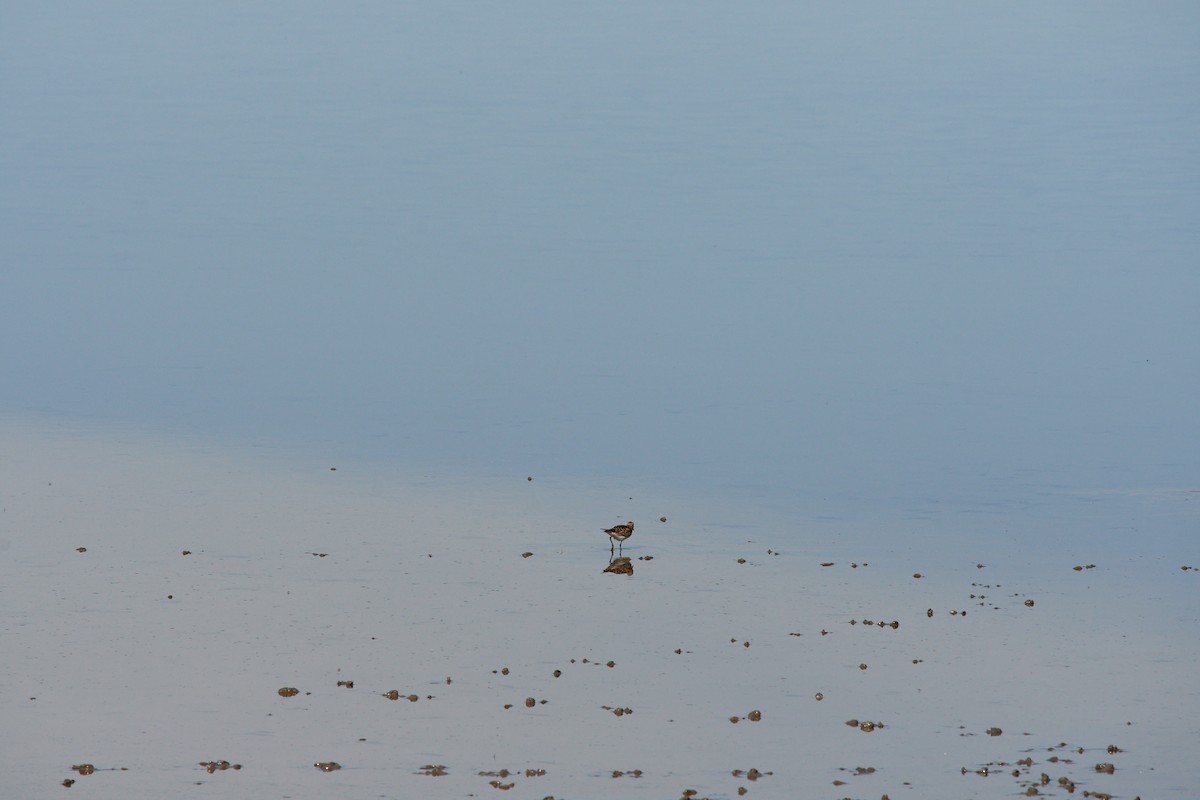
908,288
144,662
895,256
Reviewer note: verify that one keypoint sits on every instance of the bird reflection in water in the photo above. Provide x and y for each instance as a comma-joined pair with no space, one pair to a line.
621,565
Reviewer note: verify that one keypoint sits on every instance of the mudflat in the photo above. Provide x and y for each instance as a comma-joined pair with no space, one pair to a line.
176,618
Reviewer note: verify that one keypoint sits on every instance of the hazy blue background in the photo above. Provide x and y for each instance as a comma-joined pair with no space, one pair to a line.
890,253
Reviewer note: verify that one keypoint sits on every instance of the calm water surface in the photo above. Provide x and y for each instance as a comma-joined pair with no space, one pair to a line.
901,256
916,283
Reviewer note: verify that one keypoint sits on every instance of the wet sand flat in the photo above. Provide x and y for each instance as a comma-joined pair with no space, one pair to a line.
453,637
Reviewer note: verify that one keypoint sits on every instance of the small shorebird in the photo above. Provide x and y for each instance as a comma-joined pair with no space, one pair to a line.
619,533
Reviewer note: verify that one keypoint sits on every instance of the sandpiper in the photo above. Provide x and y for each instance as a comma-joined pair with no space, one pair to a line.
619,533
